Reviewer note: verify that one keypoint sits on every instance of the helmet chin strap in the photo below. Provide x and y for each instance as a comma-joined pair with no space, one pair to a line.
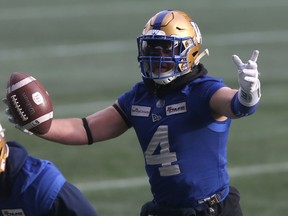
201,55
165,81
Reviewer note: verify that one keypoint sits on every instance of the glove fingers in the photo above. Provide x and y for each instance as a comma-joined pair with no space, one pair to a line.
250,79
250,72
7,111
4,100
254,56
251,65
254,83
11,119
23,129
237,61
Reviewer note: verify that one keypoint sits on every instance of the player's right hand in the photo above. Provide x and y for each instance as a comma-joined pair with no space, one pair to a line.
12,120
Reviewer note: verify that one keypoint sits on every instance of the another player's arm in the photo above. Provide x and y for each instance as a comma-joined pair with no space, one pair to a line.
102,125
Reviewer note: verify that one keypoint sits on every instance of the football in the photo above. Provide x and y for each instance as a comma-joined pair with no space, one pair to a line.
29,103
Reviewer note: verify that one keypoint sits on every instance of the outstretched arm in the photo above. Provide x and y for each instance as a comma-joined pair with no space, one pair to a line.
237,103
68,131
102,125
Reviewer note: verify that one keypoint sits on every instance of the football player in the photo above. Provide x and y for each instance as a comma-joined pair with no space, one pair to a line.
181,116
31,186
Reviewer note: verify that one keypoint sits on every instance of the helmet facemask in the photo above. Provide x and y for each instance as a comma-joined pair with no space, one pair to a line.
4,150
160,58
169,48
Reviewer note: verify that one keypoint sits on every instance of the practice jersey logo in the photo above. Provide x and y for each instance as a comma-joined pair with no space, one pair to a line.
176,109
156,117
142,111
12,212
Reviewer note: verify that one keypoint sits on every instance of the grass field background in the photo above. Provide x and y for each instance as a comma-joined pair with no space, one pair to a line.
84,52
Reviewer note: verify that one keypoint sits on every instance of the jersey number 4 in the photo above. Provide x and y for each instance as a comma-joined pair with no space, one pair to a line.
165,158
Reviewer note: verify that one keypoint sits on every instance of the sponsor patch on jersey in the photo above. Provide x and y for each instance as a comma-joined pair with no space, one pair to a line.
176,109
12,212
142,111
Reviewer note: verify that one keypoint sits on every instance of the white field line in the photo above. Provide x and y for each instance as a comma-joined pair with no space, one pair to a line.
95,9
236,172
72,11
64,51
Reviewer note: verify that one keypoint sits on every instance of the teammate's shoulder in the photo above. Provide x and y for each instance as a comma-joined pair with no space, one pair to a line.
16,150
14,144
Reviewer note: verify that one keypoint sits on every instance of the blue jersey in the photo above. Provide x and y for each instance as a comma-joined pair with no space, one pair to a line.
183,146
34,187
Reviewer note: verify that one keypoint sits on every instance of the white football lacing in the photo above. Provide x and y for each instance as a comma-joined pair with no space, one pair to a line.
17,106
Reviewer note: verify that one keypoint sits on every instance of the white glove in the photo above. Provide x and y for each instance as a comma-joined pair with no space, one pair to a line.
248,79
12,120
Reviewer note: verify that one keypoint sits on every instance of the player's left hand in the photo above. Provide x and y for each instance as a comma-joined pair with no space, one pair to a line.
248,72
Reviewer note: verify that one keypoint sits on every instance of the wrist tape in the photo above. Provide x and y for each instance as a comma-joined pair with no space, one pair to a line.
244,104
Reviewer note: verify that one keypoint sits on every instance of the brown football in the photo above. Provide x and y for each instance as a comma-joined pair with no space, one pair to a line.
29,103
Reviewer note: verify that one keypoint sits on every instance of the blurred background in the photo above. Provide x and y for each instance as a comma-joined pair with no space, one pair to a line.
84,52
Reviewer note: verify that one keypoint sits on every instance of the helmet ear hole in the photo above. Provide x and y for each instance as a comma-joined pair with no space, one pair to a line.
195,53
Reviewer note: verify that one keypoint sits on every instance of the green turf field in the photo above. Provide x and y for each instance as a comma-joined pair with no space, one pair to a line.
84,52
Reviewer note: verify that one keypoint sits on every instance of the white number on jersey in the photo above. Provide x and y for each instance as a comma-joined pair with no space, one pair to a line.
165,158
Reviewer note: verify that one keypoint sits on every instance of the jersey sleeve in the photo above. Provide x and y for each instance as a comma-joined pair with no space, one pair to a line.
71,201
125,101
207,86
201,91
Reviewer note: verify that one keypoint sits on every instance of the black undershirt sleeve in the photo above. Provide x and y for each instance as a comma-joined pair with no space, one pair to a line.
122,115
